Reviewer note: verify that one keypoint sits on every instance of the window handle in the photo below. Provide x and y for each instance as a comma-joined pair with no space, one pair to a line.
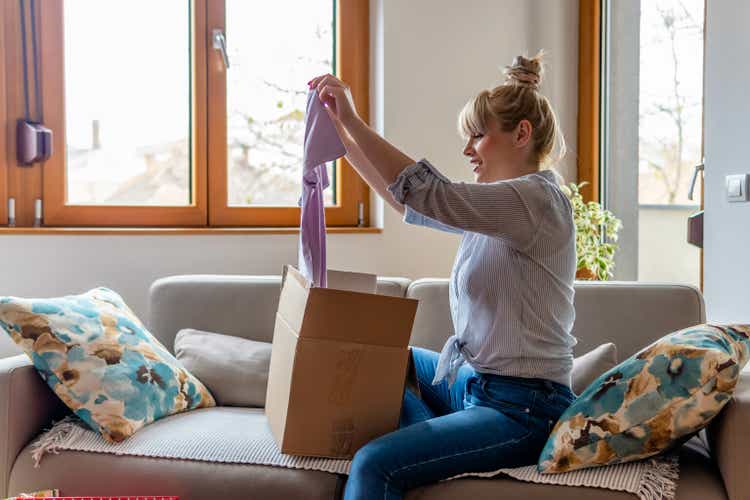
220,44
698,168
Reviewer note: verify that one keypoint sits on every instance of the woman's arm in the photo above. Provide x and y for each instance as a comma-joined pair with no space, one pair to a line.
386,159
367,171
378,154
430,194
373,178
510,210
497,209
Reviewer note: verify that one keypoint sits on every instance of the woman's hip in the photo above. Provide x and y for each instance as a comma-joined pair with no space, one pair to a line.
532,402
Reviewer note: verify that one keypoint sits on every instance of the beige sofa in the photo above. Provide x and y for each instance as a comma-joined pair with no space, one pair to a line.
629,314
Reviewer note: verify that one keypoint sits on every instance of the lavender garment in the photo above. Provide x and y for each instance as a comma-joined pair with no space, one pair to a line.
322,144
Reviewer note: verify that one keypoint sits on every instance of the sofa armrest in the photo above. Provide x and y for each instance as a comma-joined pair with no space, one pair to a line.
26,405
729,438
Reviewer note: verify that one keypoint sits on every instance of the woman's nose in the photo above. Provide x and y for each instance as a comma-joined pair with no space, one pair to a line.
468,148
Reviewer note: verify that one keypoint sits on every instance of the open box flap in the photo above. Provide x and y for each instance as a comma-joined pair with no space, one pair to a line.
358,317
293,300
353,282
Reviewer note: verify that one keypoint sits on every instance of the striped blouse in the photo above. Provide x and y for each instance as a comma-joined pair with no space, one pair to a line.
511,288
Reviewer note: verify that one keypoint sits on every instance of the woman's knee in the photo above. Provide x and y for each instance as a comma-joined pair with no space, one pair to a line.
373,459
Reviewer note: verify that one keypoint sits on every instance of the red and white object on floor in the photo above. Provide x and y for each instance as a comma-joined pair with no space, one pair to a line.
96,498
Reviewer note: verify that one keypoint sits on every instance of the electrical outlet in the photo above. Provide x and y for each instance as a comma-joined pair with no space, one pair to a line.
737,187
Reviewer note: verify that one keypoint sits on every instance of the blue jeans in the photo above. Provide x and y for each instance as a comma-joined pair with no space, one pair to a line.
483,423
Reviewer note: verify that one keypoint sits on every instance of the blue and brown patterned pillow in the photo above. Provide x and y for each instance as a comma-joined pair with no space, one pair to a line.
650,402
101,361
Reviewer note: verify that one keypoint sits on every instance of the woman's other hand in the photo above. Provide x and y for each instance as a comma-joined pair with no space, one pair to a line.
336,97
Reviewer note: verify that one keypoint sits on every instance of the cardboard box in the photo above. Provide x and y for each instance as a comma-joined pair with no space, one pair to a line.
338,364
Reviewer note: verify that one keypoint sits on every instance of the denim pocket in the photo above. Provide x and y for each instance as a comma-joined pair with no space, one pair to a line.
551,406
514,401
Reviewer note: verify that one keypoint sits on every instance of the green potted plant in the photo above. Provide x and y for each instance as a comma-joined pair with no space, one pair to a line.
596,235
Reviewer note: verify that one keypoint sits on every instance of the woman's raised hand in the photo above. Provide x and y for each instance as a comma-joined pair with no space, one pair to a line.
336,97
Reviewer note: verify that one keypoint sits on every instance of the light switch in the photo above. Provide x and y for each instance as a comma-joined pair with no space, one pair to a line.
737,187
734,188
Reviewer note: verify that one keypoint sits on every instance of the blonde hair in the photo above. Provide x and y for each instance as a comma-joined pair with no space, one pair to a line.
518,98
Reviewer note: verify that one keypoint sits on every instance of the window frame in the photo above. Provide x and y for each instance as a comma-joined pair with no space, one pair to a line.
4,129
352,65
208,148
592,136
589,97
56,211
21,184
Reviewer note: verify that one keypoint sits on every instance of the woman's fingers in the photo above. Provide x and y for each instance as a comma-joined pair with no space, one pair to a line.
328,79
336,97
328,82
329,93
314,82
318,79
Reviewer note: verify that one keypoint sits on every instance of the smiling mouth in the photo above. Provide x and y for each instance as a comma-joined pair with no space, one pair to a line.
476,167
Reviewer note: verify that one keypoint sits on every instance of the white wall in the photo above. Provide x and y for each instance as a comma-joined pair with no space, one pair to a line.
428,58
727,225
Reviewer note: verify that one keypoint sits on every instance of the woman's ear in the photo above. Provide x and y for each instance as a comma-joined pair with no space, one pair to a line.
522,133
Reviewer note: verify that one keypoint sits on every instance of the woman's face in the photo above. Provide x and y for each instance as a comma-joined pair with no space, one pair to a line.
497,155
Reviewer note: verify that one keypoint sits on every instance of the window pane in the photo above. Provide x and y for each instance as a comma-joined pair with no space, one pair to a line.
127,102
669,136
671,94
274,49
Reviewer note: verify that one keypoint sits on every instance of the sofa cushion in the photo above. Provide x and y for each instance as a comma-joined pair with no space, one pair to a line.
588,367
699,480
651,401
101,361
630,314
118,476
234,369
127,475
194,480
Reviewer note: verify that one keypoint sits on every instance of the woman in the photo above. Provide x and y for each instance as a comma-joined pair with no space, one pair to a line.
491,397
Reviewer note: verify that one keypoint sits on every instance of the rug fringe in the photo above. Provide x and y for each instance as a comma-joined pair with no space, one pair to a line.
659,482
54,437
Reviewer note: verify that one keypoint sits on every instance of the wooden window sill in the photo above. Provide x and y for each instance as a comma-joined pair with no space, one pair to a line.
178,230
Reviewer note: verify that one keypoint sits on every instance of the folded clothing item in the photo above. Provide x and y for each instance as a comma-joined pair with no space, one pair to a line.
322,144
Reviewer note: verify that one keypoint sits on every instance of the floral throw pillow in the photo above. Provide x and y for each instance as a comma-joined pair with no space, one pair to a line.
101,361
650,402
36,494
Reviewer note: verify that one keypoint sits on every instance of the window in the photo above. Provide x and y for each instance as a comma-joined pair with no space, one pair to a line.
670,137
153,128
641,91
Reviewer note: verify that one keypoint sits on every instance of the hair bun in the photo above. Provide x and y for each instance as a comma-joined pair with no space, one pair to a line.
525,72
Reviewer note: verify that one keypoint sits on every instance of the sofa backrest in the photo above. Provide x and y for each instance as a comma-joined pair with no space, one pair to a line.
244,306
630,314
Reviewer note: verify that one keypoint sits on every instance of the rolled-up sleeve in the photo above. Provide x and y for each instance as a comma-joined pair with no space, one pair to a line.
414,218
510,210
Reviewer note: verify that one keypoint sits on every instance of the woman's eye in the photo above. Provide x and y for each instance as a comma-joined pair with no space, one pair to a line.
477,136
